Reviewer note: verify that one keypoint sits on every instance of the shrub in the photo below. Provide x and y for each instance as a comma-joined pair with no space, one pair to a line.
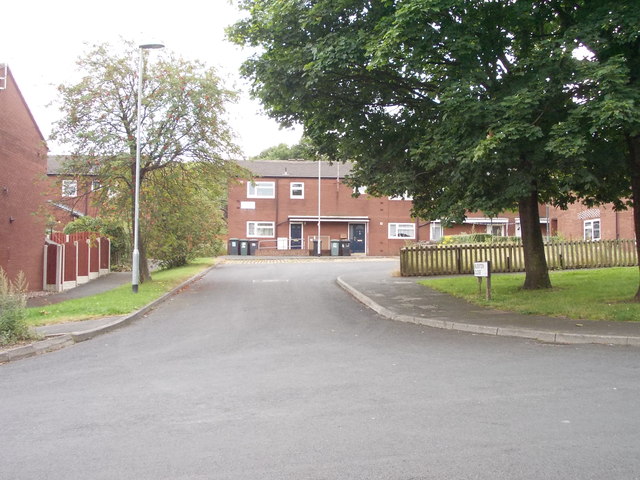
13,301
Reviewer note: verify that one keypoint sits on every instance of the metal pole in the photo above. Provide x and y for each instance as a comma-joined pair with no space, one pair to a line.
319,191
135,263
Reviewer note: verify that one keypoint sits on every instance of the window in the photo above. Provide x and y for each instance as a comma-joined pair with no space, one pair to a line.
402,230
69,188
592,229
95,185
260,229
360,190
261,190
497,230
404,196
297,190
436,232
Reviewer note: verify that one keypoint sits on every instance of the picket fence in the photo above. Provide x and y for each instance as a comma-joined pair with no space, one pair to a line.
425,260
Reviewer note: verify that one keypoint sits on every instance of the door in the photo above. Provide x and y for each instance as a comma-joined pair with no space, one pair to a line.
295,230
357,235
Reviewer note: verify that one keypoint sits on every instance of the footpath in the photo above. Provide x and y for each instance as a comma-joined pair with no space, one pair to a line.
396,298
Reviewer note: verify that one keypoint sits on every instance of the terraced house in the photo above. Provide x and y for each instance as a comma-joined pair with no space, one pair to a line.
290,204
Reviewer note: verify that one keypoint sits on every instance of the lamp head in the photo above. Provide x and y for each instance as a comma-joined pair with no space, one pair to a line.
148,46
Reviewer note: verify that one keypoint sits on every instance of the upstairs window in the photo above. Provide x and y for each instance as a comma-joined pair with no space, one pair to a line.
69,188
261,190
297,190
592,229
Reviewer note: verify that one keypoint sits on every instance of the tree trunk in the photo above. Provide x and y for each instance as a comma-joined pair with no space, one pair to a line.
535,261
634,170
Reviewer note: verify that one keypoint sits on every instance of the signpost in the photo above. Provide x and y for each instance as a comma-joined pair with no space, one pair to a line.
483,270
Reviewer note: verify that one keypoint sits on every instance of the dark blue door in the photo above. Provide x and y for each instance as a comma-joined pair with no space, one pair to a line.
296,236
357,235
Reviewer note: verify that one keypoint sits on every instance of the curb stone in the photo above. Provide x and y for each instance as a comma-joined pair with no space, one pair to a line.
546,336
56,342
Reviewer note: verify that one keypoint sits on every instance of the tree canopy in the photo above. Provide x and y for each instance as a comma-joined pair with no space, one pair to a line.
466,105
184,135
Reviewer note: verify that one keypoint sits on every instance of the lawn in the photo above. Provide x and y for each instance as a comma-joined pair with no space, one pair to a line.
118,301
601,294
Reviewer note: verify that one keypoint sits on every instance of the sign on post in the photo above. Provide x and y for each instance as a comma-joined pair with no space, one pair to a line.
483,270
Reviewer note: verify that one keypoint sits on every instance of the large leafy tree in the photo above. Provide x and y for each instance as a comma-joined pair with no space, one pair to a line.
184,134
453,101
604,127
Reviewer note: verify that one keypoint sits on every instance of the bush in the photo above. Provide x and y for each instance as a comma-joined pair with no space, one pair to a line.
478,238
13,302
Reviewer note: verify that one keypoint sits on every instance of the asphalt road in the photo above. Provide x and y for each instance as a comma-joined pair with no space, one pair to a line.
271,371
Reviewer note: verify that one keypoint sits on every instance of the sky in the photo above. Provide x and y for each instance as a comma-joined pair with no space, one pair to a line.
42,39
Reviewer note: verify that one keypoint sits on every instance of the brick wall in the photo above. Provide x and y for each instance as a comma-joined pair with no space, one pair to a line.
23,157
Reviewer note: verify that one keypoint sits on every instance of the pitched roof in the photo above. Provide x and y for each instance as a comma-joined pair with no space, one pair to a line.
296,168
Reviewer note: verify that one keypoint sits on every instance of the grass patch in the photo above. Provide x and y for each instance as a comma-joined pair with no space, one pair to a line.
603,294
118,301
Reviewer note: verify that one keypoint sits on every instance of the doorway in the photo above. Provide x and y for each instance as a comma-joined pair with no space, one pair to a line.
358,235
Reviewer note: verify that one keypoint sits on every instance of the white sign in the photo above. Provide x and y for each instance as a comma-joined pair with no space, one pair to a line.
248,205
480,269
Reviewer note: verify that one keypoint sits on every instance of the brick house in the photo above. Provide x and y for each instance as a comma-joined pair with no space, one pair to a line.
69,196
279,211
23,156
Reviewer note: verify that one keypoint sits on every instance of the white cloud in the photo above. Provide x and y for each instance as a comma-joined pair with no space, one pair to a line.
45,39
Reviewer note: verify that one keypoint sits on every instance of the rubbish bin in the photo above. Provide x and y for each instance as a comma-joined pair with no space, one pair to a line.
233,246
316,251
253,247
243,247
335,248
345,248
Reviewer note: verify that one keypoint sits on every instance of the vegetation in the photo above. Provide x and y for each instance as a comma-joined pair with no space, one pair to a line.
466,105
185,135
13,300
112,229
304,150
601,294
118,301
478,238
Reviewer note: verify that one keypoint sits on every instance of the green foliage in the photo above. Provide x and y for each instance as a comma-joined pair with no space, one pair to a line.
305,150
600,294
184,124
467,105
118,301
13,300
109,228
478,238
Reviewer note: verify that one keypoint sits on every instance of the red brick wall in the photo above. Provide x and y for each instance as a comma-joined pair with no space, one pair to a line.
23,157
336,200
613,224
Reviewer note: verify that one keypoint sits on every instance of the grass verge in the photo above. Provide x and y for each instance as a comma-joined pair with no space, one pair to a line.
118,301
602,294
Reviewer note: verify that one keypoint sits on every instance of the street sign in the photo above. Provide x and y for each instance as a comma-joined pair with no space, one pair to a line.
481,269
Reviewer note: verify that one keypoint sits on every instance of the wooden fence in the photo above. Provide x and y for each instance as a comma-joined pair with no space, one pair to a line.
424,260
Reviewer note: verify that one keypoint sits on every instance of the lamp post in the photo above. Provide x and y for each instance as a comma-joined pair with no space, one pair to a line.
135,262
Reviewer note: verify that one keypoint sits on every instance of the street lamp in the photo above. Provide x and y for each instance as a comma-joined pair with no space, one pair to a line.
135,263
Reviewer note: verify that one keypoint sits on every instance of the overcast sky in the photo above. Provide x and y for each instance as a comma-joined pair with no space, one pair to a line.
43,39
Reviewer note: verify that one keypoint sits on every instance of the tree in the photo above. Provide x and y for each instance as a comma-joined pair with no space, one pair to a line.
452,101
604,125
304,150
183,117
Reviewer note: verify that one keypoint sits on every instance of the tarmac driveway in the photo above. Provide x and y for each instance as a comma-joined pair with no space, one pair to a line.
271,371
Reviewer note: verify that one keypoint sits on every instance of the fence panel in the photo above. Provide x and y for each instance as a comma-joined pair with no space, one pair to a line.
426,260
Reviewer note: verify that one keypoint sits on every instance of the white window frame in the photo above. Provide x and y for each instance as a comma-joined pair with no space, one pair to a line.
435,231
501,226
360,190
95,185
256,229
395,231
69,188
589,230
296,187
257,189
404,196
